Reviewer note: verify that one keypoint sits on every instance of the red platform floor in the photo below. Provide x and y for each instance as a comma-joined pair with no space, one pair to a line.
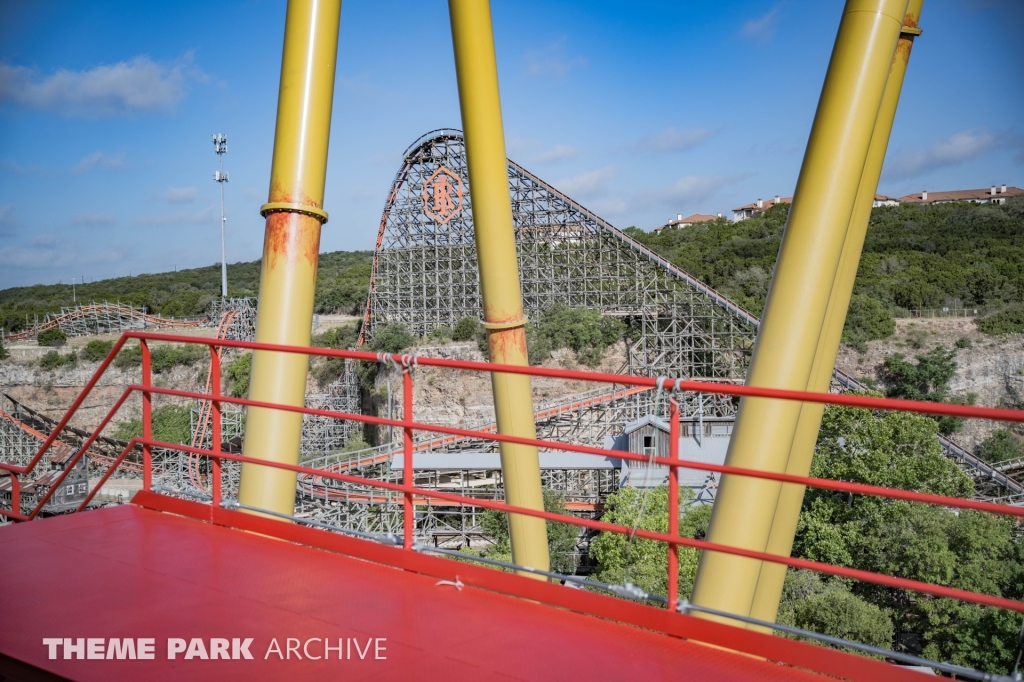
133,572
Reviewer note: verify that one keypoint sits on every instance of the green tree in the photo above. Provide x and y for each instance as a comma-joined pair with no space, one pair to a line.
867,320
4,353
969,550
53,336
827,606
928,379
586,332
465,329
1002,445
645,562
562,537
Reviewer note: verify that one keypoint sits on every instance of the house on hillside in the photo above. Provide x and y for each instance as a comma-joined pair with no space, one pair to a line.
882,200
991,195
680,221
753,208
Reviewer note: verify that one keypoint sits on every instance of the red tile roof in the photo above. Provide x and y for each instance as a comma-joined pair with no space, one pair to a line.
766,204
983,194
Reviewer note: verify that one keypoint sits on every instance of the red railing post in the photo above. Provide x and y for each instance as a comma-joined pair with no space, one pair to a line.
147,417
216,436
15,494
409,513
673,502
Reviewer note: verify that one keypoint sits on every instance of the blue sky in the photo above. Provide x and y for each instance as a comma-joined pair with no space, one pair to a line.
638,110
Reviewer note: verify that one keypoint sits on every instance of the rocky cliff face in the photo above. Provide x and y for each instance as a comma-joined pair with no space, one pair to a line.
460,398
992,368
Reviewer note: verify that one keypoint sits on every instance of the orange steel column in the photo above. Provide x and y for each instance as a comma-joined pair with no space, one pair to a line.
809,258
480,103
291,246
769,584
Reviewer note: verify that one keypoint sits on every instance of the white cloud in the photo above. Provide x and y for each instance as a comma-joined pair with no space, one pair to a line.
955,149
560,152
686,190
40,253
97,160
552,61
203,217
138,85
50,253
588,184
89,219
180,195
10,167
762,30
672,140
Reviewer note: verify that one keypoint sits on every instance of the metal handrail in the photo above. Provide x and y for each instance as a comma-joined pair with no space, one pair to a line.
411,495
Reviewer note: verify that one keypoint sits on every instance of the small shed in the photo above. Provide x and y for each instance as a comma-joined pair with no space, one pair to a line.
701,439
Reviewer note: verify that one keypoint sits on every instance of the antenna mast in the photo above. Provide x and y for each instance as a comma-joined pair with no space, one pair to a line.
220,146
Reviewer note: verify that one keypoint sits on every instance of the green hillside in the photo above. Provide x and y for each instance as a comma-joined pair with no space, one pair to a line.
342,281
956,255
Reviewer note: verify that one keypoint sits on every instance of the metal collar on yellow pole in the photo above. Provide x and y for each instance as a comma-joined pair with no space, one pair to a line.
294,213
477,72
772,576
797,302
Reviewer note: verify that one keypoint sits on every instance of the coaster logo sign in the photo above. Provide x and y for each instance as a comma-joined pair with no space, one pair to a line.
442,195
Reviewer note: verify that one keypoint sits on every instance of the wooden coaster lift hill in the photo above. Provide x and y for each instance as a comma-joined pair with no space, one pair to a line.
796,345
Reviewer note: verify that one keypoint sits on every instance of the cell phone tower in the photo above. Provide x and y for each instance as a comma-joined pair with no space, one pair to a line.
220,145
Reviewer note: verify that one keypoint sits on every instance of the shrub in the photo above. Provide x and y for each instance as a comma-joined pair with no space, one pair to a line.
392,338
238,372
440,334
963,342
171,424
1005,322
129,356
52,337
165,358
345,336
96,350
1002,445
867,320
53,359
465,329
4,353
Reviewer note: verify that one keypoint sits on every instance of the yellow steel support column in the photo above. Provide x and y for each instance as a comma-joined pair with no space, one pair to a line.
477,71
798,298
770,580
291,246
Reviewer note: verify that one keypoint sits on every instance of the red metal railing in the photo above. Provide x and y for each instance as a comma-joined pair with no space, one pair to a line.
411,495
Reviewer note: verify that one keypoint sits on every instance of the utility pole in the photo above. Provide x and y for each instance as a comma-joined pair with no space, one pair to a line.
220,146
74,299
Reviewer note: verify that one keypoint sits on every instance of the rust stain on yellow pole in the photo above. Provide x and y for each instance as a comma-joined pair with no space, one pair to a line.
772,576
480,102
809,259
294,214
